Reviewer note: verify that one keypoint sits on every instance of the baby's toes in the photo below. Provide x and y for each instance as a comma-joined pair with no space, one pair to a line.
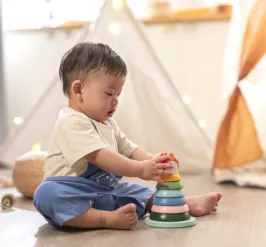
132,218
134,221
219,196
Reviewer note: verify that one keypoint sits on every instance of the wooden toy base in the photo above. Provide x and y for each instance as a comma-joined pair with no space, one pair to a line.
178,224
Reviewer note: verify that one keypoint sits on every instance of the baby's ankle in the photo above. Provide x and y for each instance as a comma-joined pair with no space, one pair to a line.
105,219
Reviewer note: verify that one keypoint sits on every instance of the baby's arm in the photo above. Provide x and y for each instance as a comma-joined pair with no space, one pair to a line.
114,162
78,139
120,165
141,154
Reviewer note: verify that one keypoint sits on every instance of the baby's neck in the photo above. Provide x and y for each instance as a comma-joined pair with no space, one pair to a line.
75,107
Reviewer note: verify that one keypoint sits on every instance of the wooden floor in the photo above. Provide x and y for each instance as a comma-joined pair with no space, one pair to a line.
239,222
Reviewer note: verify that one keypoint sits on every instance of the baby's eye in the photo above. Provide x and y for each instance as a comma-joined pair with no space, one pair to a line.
109,94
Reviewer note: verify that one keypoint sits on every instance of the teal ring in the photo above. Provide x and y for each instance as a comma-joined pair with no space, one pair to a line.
170,201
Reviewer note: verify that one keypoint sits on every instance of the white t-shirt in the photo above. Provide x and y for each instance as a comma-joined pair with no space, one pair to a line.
74,137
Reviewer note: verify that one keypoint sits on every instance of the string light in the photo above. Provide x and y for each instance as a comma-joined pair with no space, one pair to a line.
18,120
202,123
187,99
114,28
117,4
36,147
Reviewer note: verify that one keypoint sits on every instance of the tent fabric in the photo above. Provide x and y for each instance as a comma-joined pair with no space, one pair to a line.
237,141
38,125
254,45
151,110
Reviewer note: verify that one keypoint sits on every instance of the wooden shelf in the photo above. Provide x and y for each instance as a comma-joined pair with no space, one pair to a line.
70,25
218,13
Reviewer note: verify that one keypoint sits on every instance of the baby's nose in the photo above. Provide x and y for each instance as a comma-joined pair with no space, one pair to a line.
115,101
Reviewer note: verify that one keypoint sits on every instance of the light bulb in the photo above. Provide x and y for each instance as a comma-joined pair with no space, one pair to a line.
187,99
18,120
117,4
114,28
202,123
36,147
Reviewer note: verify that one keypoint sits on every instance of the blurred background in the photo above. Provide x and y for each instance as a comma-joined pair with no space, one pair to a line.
196,42
191,52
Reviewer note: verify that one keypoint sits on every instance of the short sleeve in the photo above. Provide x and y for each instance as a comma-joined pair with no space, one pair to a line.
77,138
125,146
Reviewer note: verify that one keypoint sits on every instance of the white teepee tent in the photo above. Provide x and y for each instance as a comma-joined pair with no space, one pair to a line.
151,111
253,88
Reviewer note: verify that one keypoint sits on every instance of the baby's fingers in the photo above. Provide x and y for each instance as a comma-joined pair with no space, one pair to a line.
164,166
159,180
161,159
164,172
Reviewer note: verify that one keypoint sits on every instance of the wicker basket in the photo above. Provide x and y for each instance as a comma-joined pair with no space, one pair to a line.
28,172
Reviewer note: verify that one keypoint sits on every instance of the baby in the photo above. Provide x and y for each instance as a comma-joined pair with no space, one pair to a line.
89,154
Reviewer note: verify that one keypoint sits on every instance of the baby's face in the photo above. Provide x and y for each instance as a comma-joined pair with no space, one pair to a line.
100,95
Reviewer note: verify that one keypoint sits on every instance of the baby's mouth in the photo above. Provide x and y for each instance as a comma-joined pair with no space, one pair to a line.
111,112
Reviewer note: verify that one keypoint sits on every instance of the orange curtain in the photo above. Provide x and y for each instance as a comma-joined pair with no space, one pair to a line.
237,140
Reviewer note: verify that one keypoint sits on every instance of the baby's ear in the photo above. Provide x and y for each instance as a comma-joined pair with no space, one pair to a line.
77,88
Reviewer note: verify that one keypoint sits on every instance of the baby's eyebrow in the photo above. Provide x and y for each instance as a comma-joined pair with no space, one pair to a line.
114,88
111,87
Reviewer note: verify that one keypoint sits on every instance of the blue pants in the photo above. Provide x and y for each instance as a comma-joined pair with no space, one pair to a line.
62,198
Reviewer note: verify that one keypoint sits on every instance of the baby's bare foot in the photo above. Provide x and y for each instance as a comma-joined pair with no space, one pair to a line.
122,218
203,204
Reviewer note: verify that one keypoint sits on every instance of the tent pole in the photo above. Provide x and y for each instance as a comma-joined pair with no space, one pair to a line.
3,116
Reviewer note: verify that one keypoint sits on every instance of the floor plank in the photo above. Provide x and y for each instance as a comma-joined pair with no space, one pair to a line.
240,221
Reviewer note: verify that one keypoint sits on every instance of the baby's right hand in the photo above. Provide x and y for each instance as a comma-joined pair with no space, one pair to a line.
152,169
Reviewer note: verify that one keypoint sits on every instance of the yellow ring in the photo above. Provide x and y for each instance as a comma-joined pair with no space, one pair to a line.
172,178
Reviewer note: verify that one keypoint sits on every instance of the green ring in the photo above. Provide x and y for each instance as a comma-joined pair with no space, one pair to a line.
170,186
169,217
179,224
169,193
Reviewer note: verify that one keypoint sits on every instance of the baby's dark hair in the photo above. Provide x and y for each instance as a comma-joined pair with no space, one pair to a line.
86,57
